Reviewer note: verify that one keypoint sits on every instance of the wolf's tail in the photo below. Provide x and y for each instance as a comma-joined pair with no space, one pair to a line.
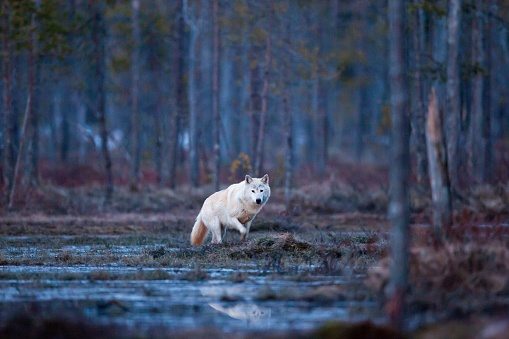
199,232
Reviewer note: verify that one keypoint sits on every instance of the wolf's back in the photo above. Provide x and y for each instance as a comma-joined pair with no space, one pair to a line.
199,232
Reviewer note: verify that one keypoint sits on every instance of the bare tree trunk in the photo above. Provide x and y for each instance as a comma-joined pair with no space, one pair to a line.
32,50
399,211
453,90
491,33
438,172
81,112
176,119
360,118
55,122
438,46
5,140
135,85
98,36
490,83
191,96
21,149
265,94
477,142
418,119
287,127
160,124
66,135
245,69
255,102
215,95
322,131
34,129
287,118
159,141
361,93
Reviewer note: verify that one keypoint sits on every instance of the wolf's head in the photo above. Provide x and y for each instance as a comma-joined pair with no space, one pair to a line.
258,189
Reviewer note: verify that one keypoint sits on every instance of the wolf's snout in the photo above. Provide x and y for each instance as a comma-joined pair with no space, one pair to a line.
258,201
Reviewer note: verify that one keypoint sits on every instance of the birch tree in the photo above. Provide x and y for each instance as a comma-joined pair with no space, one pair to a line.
438,169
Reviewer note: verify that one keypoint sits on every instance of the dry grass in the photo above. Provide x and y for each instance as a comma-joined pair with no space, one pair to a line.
468,276
490,200
336,197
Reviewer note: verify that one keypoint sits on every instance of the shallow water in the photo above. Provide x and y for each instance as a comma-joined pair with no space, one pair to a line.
172,303
217,301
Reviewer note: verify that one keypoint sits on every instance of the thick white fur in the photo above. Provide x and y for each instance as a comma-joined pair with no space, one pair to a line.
234,207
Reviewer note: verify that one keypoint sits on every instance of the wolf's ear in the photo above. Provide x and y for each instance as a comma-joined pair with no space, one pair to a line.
265,179
249,179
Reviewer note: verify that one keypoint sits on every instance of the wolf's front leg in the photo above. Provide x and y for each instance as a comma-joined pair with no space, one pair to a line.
236,223
248,226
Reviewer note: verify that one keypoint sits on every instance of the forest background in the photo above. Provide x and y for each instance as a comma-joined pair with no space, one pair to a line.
197,92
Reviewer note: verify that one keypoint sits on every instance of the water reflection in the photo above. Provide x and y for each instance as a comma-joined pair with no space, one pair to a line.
241,310
244,311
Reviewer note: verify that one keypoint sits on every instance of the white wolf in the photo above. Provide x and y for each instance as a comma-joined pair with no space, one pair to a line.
234,207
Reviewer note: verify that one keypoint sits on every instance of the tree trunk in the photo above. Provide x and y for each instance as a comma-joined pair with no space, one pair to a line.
453,90
255,102
192,98
32,52
491,33
263,114
288,140
160,121
399,211
438,46
159,136
34,129
438,172
5,140
360,117
322,131
26,117
176,119
418,119
215,95
65,131
135,85
98,36
55,123
245,124
477,142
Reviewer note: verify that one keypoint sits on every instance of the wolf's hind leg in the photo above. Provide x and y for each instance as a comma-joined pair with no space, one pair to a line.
215,229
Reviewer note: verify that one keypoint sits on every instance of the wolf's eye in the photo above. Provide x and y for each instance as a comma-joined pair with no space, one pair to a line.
261,190
252,191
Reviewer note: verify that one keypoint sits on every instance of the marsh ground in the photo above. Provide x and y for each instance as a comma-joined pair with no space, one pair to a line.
71,264
139,272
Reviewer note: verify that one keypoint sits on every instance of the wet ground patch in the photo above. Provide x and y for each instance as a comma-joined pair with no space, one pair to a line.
276,281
